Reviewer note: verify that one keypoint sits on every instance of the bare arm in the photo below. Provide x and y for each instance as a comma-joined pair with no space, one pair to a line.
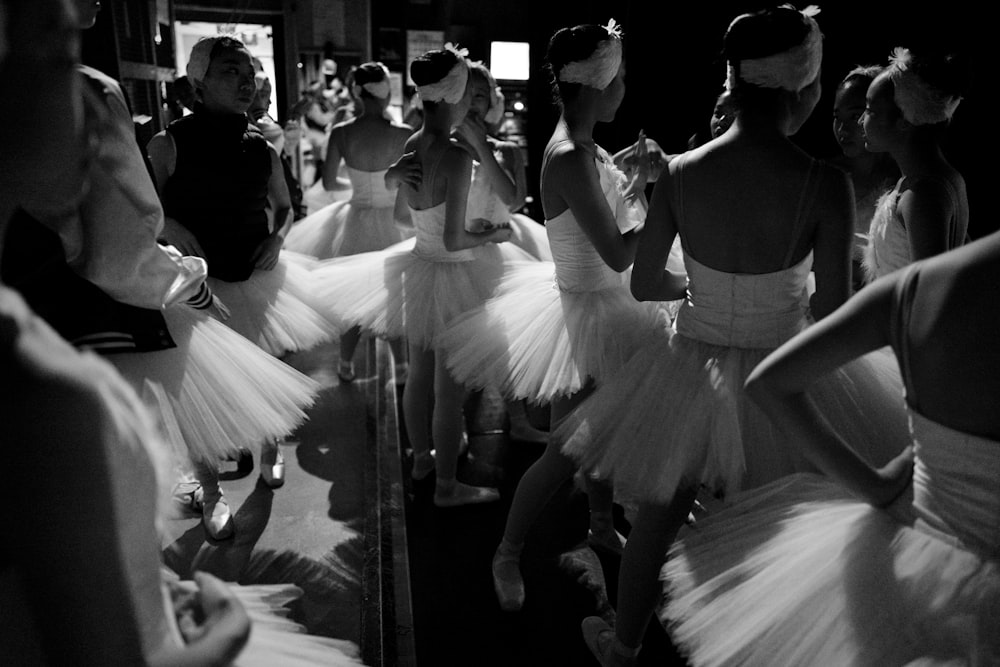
833,246
513,162
456,167
472,132
572,175
927,210
650,280
779,383
331,164
162,154
267,253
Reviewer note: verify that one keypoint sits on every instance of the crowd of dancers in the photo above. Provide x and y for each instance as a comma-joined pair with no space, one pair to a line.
793,342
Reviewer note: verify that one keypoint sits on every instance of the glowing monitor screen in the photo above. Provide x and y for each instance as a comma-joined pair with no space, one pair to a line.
509,60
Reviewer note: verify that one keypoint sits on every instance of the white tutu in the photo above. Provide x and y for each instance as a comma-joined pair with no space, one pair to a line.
275,640
530,236
316,197
278,309
396,293
216,391
363,224
802,573
533,340
677,413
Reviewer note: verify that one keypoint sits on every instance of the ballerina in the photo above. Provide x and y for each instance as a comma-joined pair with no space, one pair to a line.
554,341
416,287
675,417
909,107
871,575
367,144
871,173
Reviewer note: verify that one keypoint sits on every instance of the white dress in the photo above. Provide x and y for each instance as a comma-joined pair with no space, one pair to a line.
676,413
552,327
362,224
800,572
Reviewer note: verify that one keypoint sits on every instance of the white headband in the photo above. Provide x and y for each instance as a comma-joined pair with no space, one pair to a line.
791,70
379,89
451,88
601,68
920,103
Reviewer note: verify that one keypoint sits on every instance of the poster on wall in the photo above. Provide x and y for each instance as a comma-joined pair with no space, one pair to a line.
419,42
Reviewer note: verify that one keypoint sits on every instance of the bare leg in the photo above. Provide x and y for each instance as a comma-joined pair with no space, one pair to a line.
417,398
654,531
447,426
348,343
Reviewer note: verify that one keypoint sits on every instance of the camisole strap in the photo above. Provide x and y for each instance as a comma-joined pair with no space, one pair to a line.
899,325
805,205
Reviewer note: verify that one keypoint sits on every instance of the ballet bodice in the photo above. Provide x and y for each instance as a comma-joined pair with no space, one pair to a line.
579,267
429,225
888,244
368,188
744,310
955,483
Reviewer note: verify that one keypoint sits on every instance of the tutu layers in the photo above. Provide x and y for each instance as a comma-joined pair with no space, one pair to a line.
216,391
535,341
278,309
802,573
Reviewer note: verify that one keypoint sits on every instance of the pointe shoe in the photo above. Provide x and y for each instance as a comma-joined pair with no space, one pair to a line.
463,494
608,540
189,497
601,640
507,581
423,465
346,372
216,516
272,465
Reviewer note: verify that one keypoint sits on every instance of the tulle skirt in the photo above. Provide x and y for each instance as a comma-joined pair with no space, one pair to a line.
535,341
216,391
316,197
530,236
344,228
677,415
277,640
278,309
395,293
801,573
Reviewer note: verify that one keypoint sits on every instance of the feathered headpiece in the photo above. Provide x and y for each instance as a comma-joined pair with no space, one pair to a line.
791,70
379,89
921,103
451,88
601,67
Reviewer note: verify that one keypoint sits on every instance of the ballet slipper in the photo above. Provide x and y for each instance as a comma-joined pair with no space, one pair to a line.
272,464
216,517
600,638
507,581
602,535
455,494
423,465
346,372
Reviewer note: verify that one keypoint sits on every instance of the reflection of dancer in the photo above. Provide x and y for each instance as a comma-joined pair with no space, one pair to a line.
908,111
871,173
554,341
805,571
675,415
369,144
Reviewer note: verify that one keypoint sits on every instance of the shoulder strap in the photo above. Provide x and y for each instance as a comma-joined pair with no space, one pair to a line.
678,176
809,190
